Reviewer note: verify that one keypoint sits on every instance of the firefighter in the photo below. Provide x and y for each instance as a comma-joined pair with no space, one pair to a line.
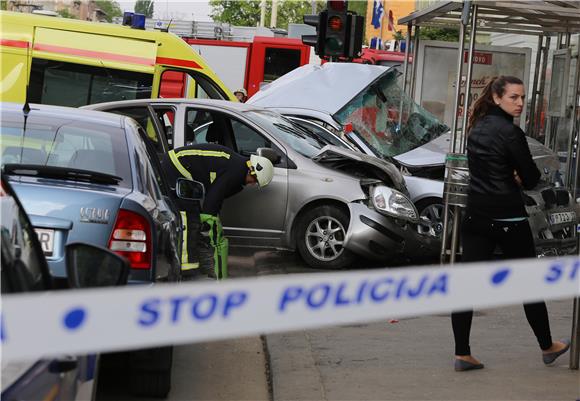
223,173
241,94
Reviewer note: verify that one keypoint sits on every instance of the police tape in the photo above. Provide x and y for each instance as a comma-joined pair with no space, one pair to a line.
133,317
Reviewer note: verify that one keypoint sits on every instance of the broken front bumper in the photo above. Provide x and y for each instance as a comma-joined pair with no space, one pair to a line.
376,236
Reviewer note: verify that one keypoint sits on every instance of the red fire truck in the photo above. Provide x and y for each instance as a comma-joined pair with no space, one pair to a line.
243,64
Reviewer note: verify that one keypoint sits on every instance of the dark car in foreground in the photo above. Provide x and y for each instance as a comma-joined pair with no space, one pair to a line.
24,269
87,176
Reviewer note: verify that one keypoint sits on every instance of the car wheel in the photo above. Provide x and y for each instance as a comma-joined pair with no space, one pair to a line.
320,238
431,217
150,374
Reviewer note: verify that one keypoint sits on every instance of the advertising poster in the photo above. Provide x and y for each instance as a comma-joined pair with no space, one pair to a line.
437,74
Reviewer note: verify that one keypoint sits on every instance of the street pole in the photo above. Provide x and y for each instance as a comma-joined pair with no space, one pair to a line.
572,184
453,143
274,18
262,13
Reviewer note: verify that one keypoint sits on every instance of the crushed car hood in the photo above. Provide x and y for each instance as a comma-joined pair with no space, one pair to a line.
381,169
433,154
315,86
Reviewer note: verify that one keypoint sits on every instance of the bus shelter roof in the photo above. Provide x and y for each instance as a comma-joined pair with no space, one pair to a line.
524,17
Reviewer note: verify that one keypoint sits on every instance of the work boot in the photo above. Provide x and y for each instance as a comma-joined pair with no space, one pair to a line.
190,275
206,258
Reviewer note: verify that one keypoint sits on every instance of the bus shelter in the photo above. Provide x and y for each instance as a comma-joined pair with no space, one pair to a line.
555,121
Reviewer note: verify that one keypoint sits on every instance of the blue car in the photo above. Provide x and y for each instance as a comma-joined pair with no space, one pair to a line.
86,176
24,269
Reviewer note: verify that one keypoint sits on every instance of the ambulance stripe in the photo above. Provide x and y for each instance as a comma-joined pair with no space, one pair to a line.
198,152
177,62
93,54
14,43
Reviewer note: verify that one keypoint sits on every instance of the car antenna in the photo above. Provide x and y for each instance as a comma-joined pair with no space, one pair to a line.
26,107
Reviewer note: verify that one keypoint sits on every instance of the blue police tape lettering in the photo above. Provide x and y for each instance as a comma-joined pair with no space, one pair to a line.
322,298
197,307
290,294
234,300
176,303
153,311
557,271
2,329
367,291
150,308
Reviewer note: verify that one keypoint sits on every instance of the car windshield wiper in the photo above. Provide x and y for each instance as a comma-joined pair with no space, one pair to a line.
39,170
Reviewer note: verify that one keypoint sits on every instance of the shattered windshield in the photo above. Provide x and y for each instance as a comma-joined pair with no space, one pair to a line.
374,115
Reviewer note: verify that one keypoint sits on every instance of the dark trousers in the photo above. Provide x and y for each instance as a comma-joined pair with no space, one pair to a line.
480,236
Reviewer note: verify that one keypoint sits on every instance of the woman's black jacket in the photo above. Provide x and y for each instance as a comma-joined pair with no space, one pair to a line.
495,149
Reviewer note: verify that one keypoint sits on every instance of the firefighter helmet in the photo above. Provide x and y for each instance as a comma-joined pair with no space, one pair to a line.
242,91
262,168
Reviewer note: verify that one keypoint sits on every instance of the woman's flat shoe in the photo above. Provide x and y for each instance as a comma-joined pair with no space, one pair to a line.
461,365
552,356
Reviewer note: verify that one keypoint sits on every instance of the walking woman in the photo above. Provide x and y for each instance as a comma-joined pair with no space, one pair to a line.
500,165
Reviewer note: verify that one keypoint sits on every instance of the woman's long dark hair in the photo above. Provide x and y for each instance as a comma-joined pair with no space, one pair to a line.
485,102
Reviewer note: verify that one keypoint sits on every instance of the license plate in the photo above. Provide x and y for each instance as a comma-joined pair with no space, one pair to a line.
46,238
562,217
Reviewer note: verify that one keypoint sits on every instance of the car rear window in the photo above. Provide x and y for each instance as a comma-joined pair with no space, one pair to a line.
64,142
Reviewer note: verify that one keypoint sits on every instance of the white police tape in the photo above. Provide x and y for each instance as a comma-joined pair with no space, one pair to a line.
87,321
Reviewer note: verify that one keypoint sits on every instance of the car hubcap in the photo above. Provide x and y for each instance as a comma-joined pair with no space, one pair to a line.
325,238
431,220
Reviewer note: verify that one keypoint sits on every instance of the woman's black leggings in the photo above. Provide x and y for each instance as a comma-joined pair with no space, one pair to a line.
480,236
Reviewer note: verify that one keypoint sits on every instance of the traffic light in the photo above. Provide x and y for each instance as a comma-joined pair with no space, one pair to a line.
336,26
339,32
354,33
317,41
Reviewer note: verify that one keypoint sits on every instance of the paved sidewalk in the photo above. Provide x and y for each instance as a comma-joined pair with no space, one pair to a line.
412,360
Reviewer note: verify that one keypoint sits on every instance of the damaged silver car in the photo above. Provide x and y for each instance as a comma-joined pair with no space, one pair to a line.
368,101
329,203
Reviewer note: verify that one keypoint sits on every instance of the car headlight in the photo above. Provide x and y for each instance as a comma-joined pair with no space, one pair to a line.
394,203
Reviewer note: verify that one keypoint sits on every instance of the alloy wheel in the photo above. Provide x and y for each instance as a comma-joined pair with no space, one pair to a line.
431,220
325,238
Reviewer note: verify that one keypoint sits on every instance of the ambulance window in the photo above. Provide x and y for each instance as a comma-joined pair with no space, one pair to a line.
279,62
69,84
187,84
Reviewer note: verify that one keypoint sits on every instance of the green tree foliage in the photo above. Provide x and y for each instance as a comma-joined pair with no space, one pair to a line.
66,13
247,13
111,8
144,7
446,34
3,4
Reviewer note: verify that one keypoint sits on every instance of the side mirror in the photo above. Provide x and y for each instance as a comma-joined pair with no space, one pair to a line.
93,266
269,154
189,189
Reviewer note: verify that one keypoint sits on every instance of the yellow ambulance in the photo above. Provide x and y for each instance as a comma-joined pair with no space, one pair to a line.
73,63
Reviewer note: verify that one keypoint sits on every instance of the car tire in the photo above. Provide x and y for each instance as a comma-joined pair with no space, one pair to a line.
432,209
150,372
320,246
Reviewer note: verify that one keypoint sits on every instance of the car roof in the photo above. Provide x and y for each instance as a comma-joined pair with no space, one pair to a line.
325,88
226,104
67,113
